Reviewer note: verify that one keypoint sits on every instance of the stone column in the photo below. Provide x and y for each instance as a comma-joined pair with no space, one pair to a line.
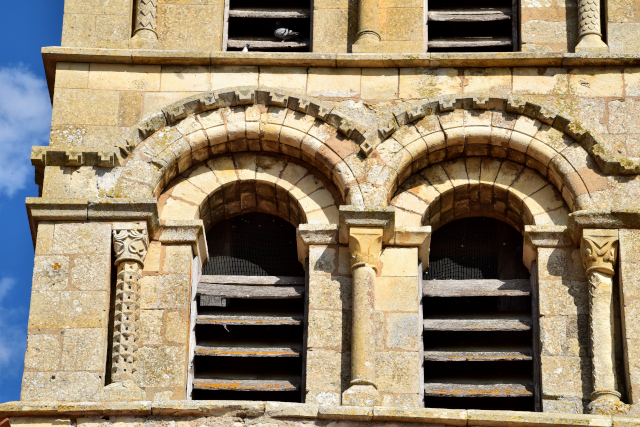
599,250
365,245
368,38
590,30
145,25
130,246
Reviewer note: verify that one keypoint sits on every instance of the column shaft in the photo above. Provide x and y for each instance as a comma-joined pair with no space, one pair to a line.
362,329
368,38
145,24
590,30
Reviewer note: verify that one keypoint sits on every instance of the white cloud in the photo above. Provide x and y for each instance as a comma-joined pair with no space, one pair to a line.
13,332
25,118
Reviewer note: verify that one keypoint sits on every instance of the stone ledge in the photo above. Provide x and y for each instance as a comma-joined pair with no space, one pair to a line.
605,219
186,231
191,408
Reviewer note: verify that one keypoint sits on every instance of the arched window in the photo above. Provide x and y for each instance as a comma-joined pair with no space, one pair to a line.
479,319
250,322
473,26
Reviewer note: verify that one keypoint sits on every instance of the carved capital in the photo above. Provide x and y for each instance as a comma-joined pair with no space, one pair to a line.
130,245
599,249
365,245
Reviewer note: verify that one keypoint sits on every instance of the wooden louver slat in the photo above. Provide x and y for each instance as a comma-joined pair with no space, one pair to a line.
478,324
237,351
470,15
470,42
248,320
246,385
252,291
477,356
476,288
269,13
253,280
449,389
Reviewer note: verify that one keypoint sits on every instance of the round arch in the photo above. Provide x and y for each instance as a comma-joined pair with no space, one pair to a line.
233,184
573,161
198,128
479,186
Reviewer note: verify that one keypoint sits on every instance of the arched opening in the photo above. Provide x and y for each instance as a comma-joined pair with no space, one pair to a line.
479,319
250,327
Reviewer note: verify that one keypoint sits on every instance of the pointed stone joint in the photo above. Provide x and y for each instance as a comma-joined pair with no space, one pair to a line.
589,32
365,229
599,249
130,243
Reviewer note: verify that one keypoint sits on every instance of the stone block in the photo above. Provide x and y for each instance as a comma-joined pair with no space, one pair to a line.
487,80
61,386
164,366
231,76
328,329
329,293
322,259
165,291
39,422
72,75
543,35
44,241
563,405
177,259
330,28
85,107
150,327
629,246
398,372
622,37
566,376
563,297
397,294
124,77
185,78
287,78
43,352
50,273
326,372
91,272
403,331
69,309
334,82
78,30
88,238
402,23
152,260
429,83
84,350
621,112
595,81
399,262
177,327
379,83
154,102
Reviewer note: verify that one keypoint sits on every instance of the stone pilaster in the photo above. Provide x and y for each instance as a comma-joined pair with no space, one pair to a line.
130,243
145,24
368,38
590,30
599,249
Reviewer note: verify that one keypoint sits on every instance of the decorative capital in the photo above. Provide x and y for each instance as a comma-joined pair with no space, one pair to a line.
130,244
599,249
365,245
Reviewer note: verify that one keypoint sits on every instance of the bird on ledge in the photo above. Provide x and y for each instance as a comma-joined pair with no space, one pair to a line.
284,33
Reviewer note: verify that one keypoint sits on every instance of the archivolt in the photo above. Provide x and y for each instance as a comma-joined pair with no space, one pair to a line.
479,186
233,184
537,142
245,119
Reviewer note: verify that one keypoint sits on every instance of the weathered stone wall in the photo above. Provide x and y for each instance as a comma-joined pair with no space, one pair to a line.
630,304
69,316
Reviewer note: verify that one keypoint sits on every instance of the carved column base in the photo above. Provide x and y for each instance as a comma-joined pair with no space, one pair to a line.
361,395
123,391
607,403
144,39
592,43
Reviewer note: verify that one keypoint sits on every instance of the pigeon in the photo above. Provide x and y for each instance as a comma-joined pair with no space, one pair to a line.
284,33
246,48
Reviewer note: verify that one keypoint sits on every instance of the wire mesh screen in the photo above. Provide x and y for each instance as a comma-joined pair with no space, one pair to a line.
476,248
253,244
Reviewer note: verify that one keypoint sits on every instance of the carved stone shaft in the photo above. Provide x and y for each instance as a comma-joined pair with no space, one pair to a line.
365,244
368,36
590,31
130,248
145,24
599,250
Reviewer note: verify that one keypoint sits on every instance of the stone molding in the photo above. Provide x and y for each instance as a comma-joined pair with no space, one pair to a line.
194,408
546,236
185,231
44,156
602,219
314,234
362,216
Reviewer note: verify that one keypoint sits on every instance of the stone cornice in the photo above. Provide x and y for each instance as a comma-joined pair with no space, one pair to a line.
363,216
276,410
602,219
82,210
187,231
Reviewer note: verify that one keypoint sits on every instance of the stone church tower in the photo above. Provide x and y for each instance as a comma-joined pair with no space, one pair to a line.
293,213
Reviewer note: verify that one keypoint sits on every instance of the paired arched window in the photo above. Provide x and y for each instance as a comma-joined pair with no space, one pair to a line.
250,313
479,319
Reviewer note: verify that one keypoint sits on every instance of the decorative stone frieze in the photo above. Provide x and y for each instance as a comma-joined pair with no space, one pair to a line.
599,249
130,245
145,24
589,31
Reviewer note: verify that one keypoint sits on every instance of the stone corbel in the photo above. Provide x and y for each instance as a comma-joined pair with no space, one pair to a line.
145,25
590,29
130,243
545,236
599,250
189,232
314,234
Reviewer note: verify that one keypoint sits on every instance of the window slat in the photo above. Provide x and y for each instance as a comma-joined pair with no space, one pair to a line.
245,385
476,288
269,13
522,389
250,292
470,42
470,15
237,351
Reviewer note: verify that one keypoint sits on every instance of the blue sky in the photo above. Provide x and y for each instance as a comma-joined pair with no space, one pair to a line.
25,114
